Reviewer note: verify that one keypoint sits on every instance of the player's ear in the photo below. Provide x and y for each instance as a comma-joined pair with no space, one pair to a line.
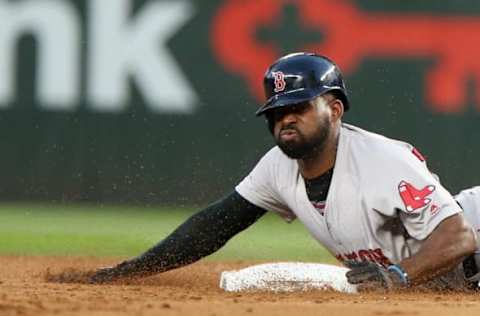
337,108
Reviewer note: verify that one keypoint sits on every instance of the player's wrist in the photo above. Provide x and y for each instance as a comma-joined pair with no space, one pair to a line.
399,274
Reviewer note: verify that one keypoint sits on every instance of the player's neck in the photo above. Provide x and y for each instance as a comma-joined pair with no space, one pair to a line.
322,161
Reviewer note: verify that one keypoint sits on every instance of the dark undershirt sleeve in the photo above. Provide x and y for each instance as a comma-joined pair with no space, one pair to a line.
201,235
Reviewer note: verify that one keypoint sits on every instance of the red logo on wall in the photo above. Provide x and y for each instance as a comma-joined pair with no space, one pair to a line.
414,198
351,35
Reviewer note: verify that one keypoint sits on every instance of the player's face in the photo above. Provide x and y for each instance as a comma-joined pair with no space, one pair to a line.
302,130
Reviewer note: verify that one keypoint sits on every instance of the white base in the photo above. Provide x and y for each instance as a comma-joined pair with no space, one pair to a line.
287,277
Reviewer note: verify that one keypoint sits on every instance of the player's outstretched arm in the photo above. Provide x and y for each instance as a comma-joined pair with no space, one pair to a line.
199,236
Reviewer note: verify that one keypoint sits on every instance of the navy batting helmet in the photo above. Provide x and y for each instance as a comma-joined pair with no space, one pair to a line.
301,77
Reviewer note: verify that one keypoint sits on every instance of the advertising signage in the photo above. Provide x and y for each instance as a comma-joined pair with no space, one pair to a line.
154,101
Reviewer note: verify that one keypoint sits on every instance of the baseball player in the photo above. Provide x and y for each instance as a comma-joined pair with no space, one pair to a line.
370,200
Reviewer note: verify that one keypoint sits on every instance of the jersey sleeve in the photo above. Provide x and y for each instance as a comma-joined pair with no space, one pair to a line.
413,193
260,187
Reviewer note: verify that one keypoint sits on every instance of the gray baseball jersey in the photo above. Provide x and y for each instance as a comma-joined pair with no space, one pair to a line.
382,203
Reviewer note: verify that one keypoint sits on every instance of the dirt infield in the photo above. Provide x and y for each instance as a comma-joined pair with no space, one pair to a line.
193,291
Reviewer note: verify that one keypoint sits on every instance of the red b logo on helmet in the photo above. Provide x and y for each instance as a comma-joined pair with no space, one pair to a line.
279,81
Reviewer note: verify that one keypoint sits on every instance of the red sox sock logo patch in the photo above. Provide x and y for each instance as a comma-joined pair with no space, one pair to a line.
414,198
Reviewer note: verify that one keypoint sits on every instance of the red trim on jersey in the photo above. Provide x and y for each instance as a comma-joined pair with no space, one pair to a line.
418,154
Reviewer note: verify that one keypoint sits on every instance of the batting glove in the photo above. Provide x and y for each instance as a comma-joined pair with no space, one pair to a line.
372,277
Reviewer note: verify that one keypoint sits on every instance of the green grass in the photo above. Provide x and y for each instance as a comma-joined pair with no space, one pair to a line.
81,230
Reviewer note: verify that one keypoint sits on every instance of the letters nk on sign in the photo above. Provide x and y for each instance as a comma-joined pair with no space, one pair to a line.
120,48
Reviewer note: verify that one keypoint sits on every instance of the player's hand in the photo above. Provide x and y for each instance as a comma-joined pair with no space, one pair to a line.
110,274
369,276
104,275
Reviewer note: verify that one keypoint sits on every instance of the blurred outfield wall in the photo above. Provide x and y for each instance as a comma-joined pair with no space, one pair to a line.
152,101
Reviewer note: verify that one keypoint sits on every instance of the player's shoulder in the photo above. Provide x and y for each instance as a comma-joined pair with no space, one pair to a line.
276,157
275,160
378,164
374,156
377,146
277,167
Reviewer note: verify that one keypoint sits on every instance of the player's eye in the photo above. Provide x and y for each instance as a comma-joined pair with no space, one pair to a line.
301,107
279,113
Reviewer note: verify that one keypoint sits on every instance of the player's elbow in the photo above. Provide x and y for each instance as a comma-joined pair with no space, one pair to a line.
453,239
463,239
469,241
